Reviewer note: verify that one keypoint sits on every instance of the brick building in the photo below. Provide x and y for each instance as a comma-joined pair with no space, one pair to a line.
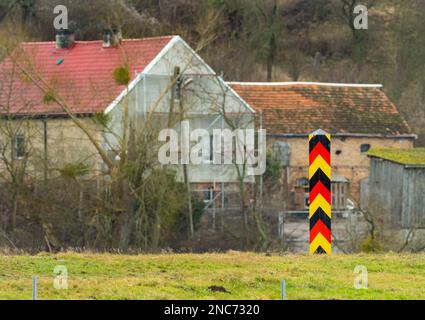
359,117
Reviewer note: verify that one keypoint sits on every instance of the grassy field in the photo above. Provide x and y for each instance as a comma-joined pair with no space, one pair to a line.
244,275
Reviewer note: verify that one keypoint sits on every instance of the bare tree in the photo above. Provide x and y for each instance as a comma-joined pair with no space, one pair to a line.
265,28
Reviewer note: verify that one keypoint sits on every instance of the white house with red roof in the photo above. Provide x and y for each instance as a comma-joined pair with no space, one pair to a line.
81,75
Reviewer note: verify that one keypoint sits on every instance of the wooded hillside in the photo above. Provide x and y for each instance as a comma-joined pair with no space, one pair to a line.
264,40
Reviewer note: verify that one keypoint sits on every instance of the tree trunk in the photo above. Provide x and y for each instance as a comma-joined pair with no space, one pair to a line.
14,209
156,233
244,213
271,57
269,70
189,201
258,216
127,217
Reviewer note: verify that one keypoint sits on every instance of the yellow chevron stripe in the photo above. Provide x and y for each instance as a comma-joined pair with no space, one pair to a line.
321,241
311,136
320,163
320,202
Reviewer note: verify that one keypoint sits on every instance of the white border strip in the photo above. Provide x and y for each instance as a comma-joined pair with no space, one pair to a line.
307,83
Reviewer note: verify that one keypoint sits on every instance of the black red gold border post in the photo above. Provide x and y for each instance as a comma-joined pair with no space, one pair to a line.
320,176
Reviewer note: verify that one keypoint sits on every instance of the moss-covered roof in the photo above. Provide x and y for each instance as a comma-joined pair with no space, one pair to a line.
403,156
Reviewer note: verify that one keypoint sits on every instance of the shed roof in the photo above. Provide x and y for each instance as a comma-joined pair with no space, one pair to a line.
303,107
402,156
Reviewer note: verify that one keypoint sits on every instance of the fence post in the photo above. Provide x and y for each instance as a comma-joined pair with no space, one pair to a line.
281,226
283,287
320,192
34,288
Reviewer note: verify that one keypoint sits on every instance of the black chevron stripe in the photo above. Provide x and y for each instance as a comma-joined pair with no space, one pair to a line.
322,139
322,177
320,215
320,250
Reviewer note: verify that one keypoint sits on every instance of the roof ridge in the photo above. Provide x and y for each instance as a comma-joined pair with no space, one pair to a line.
303,107
330,84
151,38
99,40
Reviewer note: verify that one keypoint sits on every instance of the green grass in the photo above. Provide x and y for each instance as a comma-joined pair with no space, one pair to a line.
245,275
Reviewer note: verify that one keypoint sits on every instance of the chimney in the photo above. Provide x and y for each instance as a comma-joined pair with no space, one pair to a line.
65,38
112,37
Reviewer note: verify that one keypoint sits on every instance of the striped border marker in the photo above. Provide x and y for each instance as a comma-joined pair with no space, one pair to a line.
320,193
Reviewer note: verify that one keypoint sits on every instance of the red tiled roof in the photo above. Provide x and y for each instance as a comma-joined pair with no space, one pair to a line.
301,108
84,79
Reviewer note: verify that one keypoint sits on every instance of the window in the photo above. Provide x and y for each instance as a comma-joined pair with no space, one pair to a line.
365,148
177,85
208,195
113,155
19,147
307,200
208,149
303,182
303,194
211,148
178,89
339,195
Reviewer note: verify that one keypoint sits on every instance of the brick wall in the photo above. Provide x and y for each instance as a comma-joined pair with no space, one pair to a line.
347,159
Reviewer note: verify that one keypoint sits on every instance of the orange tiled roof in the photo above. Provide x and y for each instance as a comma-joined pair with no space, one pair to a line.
301,108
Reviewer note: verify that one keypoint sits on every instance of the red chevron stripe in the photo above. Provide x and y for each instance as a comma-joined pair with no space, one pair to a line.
320,227
319,149
319,188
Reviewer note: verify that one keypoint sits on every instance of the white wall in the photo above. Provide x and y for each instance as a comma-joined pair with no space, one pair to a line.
204,99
